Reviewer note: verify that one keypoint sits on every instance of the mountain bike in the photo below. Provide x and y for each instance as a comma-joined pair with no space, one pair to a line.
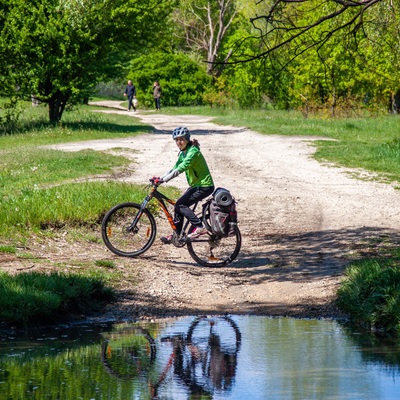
129,229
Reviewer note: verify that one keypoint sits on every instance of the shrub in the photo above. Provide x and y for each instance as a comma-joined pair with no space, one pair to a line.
183,80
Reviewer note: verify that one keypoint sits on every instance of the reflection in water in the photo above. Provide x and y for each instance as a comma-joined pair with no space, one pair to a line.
200,361
204,358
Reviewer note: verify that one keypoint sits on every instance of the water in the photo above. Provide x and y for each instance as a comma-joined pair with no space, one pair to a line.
238,357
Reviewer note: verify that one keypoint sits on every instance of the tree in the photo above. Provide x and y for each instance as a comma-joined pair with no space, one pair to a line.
311,23
57,50
205,23
336,49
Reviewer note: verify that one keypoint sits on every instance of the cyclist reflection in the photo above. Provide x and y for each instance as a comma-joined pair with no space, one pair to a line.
206,359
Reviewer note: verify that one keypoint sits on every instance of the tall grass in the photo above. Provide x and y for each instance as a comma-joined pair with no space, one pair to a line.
74,204
370,294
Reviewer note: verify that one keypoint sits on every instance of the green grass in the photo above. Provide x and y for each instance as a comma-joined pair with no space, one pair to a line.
8,249
31,298
105,263
36,183
370,294
46,192
81,124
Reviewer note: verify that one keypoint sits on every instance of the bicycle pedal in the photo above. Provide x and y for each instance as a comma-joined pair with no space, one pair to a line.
178,242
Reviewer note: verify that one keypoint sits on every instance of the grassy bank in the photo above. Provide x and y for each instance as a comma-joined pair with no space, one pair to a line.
370,293
45,192
30,299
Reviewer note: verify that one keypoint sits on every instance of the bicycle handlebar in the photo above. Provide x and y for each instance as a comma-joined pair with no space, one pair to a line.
156,181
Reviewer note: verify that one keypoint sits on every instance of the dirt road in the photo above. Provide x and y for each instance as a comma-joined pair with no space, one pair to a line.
301,223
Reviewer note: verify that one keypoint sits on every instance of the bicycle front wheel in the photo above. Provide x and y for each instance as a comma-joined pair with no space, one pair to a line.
124,239
214,251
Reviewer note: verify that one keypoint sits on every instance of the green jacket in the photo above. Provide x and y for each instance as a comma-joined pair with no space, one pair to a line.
194,164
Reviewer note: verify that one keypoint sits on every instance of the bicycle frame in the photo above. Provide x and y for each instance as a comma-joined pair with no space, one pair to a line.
162,199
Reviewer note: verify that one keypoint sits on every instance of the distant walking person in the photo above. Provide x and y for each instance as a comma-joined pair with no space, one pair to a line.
157,94
130,92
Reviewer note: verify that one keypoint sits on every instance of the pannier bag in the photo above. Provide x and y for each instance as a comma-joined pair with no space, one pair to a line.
223,214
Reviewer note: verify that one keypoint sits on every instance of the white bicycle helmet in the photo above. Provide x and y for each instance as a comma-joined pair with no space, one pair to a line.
181,132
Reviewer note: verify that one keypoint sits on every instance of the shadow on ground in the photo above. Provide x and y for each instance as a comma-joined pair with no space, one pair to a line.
303,257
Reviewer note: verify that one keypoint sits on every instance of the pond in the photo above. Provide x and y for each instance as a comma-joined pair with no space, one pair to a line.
219,357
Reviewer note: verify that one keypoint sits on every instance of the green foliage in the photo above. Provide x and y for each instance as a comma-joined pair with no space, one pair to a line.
261,83
32,298
9,113
218,95
332,70
371,294
58,51
183,81
336,65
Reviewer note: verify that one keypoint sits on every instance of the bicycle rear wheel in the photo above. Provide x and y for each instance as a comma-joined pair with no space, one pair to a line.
121,237
214,251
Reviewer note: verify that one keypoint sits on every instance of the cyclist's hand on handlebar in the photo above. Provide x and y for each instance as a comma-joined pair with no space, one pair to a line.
156,180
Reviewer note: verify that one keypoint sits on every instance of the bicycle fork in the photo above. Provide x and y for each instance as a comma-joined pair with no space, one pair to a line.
133,226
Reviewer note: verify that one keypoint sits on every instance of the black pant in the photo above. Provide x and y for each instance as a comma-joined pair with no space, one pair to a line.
157,103
130,105
191,196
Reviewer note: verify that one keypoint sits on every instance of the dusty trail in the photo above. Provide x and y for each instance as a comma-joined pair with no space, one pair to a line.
301,222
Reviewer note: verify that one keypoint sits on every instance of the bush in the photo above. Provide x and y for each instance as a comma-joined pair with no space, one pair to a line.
9,114
183,81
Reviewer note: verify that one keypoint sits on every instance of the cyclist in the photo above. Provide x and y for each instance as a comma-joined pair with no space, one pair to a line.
192,162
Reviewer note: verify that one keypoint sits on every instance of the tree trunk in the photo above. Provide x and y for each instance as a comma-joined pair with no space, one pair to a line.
396,102
57,105
333,105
